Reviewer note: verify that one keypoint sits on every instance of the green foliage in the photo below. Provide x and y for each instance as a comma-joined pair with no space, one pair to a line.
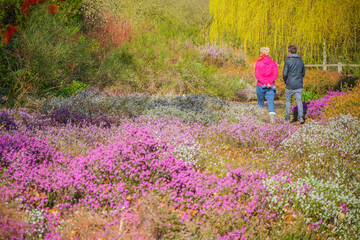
72,9
30,63
157,49
12,79
10,12
346,83
163,52
117,68
73,88
56,51
309,95
185,19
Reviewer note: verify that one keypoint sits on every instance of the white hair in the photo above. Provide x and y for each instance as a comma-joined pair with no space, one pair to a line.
265,50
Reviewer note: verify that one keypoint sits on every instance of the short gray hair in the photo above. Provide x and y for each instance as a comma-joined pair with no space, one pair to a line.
265,50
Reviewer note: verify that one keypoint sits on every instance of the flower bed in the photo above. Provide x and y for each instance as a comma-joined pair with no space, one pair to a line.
74,172
314,109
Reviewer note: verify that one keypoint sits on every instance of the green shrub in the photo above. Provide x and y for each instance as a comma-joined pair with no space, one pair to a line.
309,95
56,51
143,46
163,47
118,69
346,83
72,9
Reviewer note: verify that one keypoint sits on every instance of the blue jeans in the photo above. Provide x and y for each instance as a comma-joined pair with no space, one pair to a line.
270,92
288,96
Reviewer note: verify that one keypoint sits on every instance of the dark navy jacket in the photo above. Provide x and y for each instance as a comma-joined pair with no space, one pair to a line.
293,72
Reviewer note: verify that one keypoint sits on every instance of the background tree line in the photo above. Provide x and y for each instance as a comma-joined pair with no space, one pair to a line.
312,25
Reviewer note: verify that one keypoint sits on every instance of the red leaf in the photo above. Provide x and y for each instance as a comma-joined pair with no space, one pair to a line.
53,9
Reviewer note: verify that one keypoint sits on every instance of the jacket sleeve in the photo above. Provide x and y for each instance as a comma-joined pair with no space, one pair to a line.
257,72
276,71
285,71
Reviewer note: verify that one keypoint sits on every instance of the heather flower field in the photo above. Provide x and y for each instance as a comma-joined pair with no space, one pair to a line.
102,166
138,120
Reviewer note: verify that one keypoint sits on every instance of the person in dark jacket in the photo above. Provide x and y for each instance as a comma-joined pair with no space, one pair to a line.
293,73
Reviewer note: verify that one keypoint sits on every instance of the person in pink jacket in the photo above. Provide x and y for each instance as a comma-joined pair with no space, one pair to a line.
266,71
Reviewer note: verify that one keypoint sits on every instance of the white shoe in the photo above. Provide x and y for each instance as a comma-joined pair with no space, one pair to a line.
272,117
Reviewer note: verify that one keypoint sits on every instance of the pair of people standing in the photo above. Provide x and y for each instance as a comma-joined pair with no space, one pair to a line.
266,71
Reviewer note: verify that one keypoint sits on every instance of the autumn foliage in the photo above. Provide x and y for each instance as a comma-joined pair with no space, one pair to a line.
317,81
112,31
25,6
10,31
345,104
53,9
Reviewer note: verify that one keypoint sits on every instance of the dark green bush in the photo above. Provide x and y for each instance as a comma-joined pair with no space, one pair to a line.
10,13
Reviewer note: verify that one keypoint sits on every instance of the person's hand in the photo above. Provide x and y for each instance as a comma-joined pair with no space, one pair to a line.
268,85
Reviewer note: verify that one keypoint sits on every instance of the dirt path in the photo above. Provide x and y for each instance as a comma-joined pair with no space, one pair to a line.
279,106
277,103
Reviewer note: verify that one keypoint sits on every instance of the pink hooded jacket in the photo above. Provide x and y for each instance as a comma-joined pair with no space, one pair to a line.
266,71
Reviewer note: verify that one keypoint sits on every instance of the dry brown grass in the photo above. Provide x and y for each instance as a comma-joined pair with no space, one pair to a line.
13,222
151,217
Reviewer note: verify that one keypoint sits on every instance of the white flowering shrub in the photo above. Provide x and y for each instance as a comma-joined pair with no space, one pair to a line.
93,102
340,136
329,149
190,108
37,219
328,207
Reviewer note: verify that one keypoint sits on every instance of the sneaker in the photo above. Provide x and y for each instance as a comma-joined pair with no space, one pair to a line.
272,117
302,121
294,120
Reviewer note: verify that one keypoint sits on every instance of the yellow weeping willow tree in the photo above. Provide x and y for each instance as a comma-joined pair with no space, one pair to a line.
312,25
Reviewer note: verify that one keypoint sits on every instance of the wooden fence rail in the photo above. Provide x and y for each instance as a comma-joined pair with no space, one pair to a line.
338,65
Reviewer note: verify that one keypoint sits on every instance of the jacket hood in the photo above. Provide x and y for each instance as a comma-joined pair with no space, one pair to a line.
293,55
266,71
265,59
